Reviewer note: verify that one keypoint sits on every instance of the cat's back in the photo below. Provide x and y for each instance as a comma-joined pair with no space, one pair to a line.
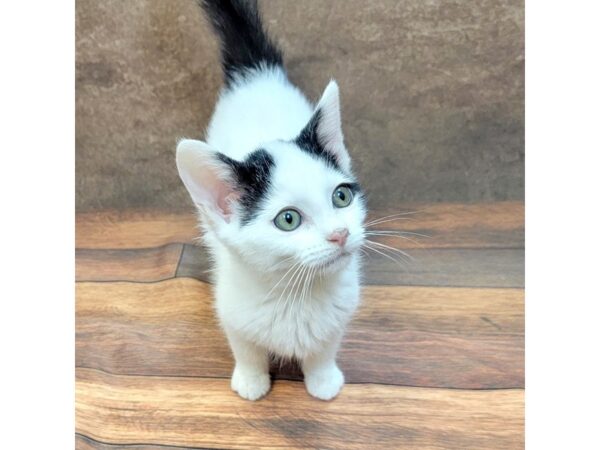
261,108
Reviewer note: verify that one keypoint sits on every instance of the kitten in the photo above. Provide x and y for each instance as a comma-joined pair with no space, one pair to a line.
281,211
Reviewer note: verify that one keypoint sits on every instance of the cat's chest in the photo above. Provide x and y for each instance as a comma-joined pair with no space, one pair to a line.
294,327
289,322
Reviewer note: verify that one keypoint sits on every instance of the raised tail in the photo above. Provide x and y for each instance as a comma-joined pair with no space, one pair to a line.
245,45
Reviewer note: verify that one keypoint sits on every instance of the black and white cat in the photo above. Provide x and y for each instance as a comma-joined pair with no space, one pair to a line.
281,211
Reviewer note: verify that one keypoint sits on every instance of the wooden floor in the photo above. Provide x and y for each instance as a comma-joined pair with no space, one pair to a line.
434,359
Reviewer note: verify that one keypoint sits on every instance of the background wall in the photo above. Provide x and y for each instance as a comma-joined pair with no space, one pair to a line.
432,94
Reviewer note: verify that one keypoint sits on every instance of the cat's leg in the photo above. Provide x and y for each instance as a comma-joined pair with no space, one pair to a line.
250,377
322,377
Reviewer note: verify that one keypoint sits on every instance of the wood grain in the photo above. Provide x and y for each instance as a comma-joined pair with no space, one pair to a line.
433,359
457,225
416,336
133,229
493,267
150,264
198,412
83,442
489,225
428,267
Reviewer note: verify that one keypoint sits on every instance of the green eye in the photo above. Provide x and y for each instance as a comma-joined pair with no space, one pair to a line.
288,220
342,196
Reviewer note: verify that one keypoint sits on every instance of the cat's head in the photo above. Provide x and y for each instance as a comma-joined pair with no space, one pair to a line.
288,202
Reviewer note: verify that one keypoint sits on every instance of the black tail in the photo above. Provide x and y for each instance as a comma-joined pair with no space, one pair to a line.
244,42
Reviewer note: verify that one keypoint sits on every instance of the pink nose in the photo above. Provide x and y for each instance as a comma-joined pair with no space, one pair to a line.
339,236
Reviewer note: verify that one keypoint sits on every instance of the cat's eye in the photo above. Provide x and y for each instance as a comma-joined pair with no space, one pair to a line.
288,220
342,196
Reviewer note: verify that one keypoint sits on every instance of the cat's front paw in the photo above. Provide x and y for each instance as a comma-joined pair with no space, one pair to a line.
324,384
250,385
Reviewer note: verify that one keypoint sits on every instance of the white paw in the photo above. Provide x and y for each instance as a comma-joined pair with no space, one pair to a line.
324,384
249,384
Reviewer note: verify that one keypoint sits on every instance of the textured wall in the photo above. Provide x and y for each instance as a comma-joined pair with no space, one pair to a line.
432,93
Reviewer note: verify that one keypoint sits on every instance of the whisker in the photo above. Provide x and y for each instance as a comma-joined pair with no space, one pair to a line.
417,243
321,275
282,261
301,288
312,281
302,291
394,249
397,233
306,285
364,252
407,213
384,254
292,278
404,257
280,280
294,289
380,221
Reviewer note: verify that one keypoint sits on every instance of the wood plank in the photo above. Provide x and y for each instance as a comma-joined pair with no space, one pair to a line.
198,412
417,336
133,229
482,225
457,225
151,264
429,267
86,443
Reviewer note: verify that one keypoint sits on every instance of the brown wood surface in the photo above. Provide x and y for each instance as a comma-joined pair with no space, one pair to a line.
133,229
486,267
417,336
434,357
148,264
428,267
199,412
83,442
449,225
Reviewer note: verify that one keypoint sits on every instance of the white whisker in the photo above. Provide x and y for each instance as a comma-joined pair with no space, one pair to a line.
417,243
392,217
294,290
282,261
380,221
299,267
382,253
396,233
394,249
280,280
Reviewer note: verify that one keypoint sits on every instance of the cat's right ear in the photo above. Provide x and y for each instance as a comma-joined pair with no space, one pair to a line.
208,179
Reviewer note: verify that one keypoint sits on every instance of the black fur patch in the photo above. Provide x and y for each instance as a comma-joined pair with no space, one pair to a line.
245,44
354,187
308,141
253,179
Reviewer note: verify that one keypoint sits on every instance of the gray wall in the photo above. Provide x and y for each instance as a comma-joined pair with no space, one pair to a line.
432,94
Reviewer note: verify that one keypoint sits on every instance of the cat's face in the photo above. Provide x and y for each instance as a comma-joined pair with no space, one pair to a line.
289,202
311,213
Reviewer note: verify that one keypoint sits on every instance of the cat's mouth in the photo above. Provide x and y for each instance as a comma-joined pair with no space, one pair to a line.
335,259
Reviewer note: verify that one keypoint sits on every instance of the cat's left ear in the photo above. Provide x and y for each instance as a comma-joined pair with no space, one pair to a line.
207,178
325,127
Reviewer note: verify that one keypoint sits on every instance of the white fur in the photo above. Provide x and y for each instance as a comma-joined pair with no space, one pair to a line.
264,109
290,294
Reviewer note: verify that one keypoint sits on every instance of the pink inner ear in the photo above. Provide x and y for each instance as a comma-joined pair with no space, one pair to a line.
207,179
225,200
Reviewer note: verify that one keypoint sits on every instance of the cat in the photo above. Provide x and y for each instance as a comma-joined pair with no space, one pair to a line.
281,211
